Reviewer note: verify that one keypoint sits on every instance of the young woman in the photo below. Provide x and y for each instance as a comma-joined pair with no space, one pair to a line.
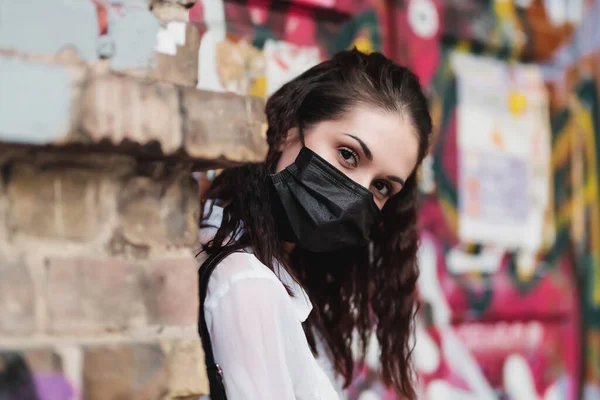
326,233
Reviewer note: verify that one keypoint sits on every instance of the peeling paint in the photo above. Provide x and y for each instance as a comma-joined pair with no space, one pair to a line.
134,31
47,27
53,387
214,17
170,37
35,102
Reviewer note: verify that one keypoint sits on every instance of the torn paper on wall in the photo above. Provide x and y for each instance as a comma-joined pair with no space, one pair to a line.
504,152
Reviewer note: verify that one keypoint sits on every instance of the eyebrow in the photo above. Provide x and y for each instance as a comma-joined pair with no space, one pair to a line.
369,155
363,145
396,179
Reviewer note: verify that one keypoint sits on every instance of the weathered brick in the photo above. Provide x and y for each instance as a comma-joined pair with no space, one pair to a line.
17,298
57,203
158,212
120,108
89,295
171,291
177,62
220,125
186,365
43,360
127,371
160,46
136,114
85,295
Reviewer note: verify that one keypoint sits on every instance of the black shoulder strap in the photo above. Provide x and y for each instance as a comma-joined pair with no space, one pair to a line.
215,375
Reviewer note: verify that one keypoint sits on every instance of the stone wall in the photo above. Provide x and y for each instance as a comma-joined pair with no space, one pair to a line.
101,125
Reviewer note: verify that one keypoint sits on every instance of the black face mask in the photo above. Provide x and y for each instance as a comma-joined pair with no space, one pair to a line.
321,209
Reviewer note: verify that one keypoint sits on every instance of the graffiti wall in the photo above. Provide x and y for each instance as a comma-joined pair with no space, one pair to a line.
254,46
524,320
502,323
513,313
38,374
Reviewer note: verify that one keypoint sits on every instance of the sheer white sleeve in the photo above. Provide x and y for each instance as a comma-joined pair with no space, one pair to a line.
260,344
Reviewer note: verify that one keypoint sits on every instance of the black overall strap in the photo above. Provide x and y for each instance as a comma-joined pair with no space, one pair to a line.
215,375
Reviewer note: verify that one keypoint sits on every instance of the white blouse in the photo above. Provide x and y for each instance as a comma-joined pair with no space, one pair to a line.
256,329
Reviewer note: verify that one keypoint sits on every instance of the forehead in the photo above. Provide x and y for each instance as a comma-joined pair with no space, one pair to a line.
390,136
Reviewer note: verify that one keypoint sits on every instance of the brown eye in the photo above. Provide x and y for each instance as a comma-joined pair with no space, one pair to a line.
383,187
349,157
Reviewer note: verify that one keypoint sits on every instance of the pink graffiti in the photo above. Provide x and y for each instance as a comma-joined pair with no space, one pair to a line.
53,387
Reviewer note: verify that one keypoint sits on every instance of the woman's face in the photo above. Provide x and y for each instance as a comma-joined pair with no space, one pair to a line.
376,149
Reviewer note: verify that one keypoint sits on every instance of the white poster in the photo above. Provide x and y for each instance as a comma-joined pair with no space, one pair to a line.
503,131
285,61
236,66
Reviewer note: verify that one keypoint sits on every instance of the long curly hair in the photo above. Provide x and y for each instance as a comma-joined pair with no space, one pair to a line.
358,291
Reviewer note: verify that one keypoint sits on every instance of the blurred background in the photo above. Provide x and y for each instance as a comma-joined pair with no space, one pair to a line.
510,207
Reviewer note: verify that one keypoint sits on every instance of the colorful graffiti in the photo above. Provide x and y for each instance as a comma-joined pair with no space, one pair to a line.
573,75
411,31
494,324
34,375
544,301
254,46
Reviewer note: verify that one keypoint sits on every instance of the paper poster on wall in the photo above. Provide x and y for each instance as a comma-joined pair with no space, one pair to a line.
285,61
503,135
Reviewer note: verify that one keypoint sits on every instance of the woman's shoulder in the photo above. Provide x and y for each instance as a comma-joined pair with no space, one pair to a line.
241,265
238,269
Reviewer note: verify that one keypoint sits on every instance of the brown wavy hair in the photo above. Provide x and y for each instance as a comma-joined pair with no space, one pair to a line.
359,290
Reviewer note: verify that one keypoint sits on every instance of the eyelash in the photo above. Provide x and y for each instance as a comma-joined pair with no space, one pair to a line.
388,187
353,154
356,158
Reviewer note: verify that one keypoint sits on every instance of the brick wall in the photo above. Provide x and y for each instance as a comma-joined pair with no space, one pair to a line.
101,125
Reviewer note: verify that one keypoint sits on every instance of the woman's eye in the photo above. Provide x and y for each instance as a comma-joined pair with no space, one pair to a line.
349,157
382,187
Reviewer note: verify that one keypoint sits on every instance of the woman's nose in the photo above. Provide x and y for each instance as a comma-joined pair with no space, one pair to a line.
364,180
360,177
